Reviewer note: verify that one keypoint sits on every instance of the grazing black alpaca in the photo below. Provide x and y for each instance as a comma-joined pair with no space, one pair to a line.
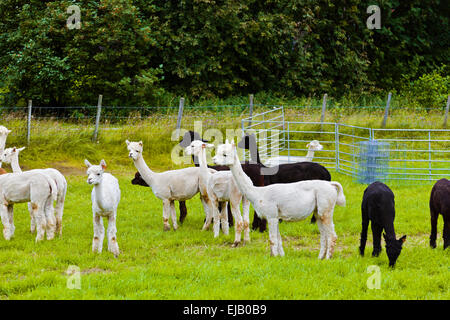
378,207
440,203
285,173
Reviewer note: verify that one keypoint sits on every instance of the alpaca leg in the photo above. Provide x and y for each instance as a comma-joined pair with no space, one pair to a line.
323,239
280,242
224,219
209,213
173,215
113,246
246,212
239,224
5,221
262,225
166,214
331,239
365,226
41,220
446,232
59,209
183,211
273,236
434,219
216,220
11,219
376,232
230,215
50,218
99,234
32,219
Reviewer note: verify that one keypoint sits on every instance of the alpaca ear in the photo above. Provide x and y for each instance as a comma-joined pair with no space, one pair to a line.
209,145
403,239
14,149
103,164
127,142
87,163
140,143
226,141
21,149
308,145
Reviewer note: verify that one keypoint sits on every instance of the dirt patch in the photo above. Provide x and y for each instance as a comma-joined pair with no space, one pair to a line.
68,170
94,270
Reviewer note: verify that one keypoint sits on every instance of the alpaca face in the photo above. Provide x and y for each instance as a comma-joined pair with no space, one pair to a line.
94,172
4,131
225,154
314,145
196,147
134,149
9,154
393,249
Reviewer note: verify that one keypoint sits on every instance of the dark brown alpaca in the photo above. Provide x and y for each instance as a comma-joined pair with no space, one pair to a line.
440,204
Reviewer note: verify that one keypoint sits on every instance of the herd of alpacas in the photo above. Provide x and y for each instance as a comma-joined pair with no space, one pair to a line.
289,192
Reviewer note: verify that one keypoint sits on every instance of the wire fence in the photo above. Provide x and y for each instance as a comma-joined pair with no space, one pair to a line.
407,155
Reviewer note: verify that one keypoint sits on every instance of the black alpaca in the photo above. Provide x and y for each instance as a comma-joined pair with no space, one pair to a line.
284,173
440,203
378,207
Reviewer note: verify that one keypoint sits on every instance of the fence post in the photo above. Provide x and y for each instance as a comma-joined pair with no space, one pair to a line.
386,111
251,109
30,106
180,115
324,106
97,118
446,111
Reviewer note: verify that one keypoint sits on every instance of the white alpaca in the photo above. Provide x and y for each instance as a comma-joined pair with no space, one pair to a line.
11,156
3,135
221,188
36,188
105,198
181,184
288,201
312,146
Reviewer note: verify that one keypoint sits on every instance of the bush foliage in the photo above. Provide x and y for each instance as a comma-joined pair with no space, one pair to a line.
145,52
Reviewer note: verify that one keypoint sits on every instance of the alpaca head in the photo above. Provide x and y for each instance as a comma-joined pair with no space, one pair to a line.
134,149
248,142
8,154
4,131
189,137
393,248
196,147
95,173
314,145
225,154
138,180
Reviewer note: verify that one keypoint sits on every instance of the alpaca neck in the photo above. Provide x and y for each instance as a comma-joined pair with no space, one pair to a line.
310,155
204,173
243,182
147,174
15,164
390,232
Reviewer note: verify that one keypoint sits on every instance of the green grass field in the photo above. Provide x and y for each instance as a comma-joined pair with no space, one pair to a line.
191,264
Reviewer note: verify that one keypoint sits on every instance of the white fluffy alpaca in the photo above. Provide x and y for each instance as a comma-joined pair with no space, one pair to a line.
36,188
221,188
3,135
312,146
181,184
288,201
105,198
11,156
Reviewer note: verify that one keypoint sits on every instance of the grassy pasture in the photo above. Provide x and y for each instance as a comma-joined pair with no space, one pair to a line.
189,263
